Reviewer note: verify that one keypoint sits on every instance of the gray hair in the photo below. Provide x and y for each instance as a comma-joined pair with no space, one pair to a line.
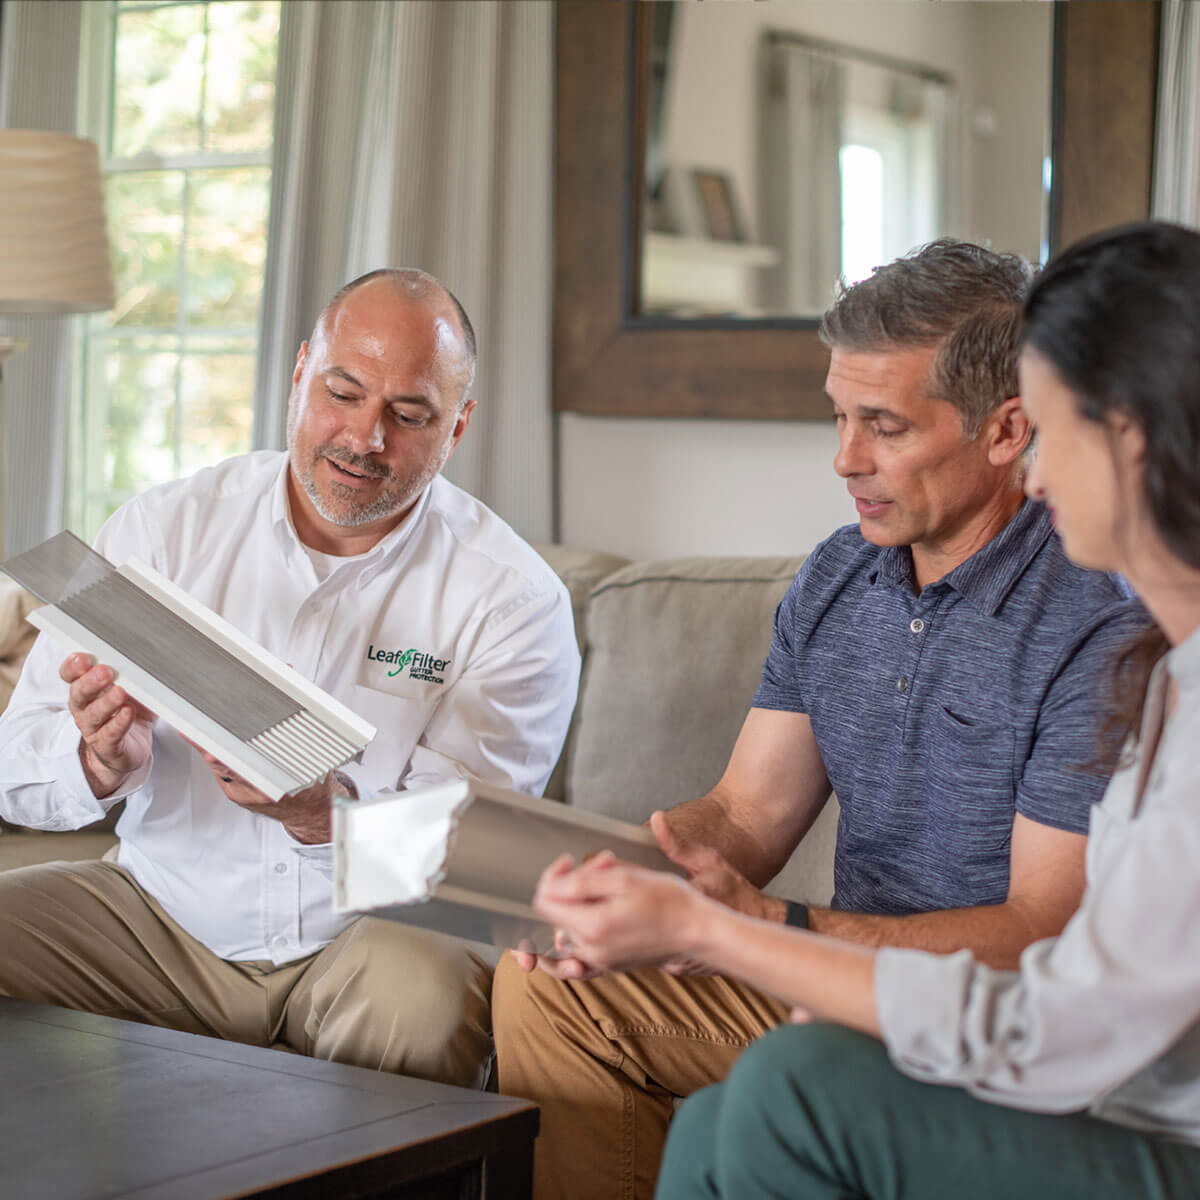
961,297
416,284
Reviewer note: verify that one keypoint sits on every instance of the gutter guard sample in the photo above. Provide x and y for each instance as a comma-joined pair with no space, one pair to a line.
192,668
464,857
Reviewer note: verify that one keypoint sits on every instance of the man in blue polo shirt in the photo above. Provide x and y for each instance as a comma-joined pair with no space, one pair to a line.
940,666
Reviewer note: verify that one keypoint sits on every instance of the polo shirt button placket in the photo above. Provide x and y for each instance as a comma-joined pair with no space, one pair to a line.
916,625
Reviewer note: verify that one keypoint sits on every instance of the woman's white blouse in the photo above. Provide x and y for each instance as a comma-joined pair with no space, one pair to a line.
1106,1016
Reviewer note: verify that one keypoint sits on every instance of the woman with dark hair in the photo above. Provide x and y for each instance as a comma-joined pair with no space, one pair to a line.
1082,1069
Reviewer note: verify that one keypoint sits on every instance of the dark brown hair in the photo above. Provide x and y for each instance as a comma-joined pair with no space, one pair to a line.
1118,318
963,296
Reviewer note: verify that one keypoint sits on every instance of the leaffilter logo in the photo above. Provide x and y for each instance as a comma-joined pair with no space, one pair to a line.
420,665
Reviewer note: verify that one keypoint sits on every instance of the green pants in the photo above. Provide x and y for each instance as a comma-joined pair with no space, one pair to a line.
817,1112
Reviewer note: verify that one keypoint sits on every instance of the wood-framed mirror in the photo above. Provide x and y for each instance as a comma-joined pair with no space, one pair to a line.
611,360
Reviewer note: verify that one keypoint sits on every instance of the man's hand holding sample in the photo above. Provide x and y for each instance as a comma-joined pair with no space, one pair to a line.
114,729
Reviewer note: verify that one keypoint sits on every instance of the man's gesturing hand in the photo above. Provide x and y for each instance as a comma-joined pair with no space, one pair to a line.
115,731
710,874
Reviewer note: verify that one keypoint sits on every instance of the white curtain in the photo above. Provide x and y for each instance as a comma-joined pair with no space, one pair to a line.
39,76
419,134
1177,137
942,109
801,176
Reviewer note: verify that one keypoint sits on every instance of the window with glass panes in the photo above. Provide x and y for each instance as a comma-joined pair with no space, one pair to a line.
181,101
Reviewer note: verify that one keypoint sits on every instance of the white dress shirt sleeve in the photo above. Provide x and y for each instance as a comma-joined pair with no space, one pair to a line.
1088,1010
42,784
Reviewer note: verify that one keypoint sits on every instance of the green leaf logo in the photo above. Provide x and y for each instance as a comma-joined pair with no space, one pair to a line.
402,662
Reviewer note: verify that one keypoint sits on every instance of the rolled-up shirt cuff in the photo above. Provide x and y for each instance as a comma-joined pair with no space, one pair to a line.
81,806
920,1000
354,772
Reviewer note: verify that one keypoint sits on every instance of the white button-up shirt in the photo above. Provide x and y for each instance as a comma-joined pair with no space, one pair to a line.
451,635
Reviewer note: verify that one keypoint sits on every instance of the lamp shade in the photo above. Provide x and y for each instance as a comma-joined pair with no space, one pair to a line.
54,254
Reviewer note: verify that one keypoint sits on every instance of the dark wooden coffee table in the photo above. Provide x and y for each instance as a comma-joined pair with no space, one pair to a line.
93,1107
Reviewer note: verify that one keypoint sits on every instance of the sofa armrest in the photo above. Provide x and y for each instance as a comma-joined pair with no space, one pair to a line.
16,634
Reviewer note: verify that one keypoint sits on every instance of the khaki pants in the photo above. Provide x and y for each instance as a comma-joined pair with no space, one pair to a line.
83,935
606,1058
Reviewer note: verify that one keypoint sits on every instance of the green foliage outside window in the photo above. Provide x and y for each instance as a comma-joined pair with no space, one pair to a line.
167,376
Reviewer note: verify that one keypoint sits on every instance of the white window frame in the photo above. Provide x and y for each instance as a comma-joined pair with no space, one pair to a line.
96,101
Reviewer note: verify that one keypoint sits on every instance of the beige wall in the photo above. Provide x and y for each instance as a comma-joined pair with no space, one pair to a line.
658,488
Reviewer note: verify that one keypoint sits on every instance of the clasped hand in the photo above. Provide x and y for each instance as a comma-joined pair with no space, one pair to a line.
614,916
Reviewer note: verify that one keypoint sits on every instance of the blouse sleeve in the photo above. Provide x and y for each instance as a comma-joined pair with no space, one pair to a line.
1087,1010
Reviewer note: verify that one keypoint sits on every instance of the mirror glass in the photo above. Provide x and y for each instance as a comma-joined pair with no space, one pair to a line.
790,143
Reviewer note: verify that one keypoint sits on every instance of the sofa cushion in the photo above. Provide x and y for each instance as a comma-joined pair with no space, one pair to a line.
675,650
16,637
26,847
581,571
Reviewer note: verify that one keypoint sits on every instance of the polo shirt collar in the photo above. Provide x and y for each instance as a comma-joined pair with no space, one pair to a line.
894,568
989,574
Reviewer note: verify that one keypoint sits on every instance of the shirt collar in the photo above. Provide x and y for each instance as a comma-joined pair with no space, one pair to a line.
894,568
281,521
990,573
385,549
1183,662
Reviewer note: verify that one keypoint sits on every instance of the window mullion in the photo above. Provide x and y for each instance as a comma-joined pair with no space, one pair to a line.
143,8
201,124
181,317
183,162
127,333
111,90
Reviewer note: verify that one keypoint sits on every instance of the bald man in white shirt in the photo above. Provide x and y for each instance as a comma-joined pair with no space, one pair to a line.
351,558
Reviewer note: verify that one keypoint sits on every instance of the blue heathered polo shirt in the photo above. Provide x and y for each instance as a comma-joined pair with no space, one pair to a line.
940,715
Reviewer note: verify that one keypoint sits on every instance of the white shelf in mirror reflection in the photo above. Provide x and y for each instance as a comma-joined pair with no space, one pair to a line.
701,274
692,249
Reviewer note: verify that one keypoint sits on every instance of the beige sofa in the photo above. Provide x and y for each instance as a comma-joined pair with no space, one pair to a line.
672,653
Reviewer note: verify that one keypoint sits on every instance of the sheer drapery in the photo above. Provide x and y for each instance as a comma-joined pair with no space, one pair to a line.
1177,128
39,77
941,108
419,134
860,162
406,134
802,181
